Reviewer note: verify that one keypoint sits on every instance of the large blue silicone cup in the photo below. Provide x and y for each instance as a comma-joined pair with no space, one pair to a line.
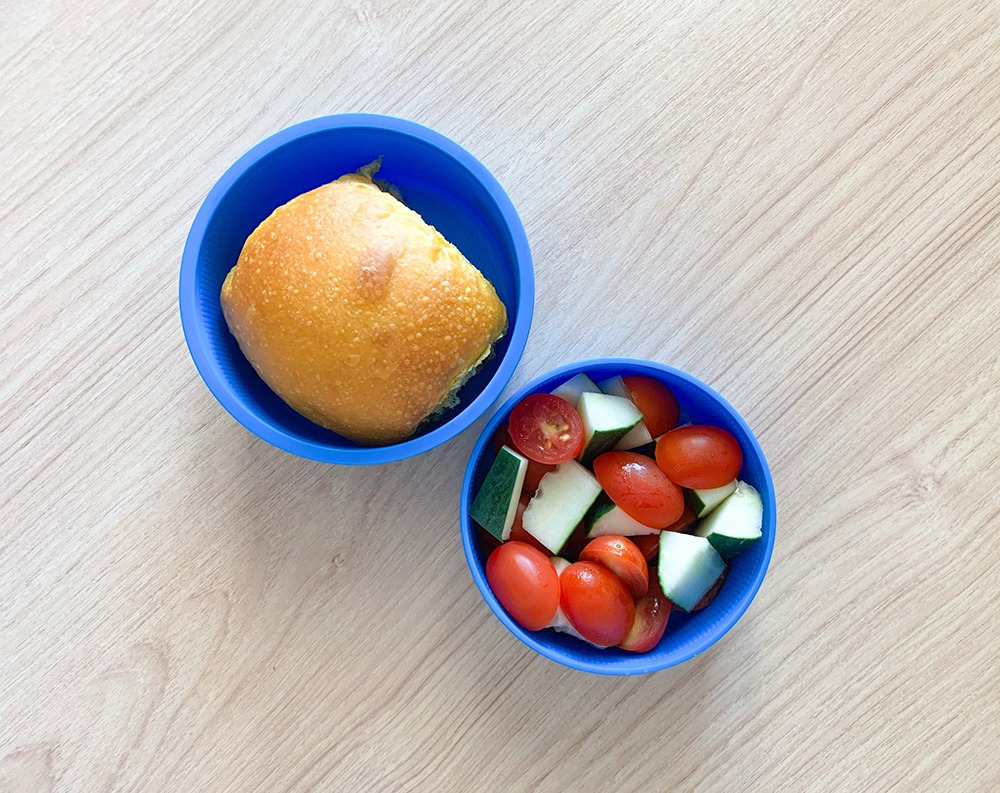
687,635
439,179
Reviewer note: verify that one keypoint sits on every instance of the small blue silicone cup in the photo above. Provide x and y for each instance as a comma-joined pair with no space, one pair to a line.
439,179
686,634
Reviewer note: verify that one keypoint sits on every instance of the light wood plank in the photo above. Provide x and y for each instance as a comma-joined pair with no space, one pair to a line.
797,202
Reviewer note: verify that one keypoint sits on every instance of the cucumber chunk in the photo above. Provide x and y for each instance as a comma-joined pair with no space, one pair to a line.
647,449
704,501
605,517
573,388
639,434
606,420
563,498
496,502
688,568
736,523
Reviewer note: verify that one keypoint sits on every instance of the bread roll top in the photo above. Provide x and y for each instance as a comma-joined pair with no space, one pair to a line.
357,313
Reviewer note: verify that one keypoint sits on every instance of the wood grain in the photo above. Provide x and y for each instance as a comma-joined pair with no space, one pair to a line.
796,201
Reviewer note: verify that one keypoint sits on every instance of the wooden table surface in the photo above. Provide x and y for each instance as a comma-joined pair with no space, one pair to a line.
797,202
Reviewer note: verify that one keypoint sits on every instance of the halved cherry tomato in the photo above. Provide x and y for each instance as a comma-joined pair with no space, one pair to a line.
685,523
655,401
546,428
525,582
710,595
651,615
518,532
648,545
596,603
621,556
699,456
640,488
533,475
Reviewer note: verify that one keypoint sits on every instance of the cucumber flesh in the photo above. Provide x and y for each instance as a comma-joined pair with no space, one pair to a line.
605,518
495,504
563,498
736,523
639,434
573,388
689,566
704,501
616,387
606,420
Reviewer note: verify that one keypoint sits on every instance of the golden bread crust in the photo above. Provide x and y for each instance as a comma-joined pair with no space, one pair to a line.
357,313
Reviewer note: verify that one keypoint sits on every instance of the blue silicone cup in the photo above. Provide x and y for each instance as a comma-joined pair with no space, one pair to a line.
686,634
444,183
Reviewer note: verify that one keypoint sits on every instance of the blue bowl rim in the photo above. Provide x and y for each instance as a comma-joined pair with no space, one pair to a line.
641,664
208,368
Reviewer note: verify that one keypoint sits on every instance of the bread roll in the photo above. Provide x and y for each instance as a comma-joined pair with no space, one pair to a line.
357,313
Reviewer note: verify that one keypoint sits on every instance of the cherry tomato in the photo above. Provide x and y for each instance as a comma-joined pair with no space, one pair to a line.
546,428
710,595
518,532
685,523
621,557
640,488
655,401
699,456
596,603
525,582
648,545
651,615
534,475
